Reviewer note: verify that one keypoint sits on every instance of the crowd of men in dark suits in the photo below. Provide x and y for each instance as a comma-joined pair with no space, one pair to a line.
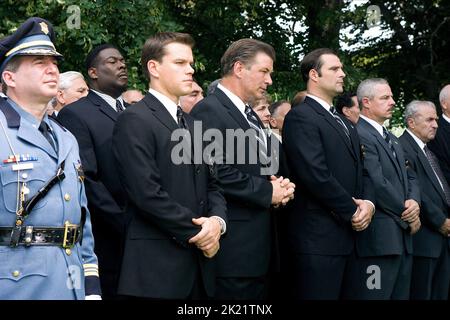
339,210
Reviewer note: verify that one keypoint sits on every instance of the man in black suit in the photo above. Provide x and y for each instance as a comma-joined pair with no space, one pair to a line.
243,261
440,145
177,211
381,268
91,120
431,262
324,161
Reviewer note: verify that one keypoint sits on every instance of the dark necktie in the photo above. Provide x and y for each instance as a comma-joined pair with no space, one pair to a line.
119,106
340,121
388,140
434,163
45,130
254,124
180,119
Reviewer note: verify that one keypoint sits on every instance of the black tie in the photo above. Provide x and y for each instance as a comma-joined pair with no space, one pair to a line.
254,123
437,170
388,140
119,106
181,120
45,130
339,120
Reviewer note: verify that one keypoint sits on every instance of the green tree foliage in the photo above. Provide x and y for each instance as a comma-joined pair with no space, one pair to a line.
412,51
126,24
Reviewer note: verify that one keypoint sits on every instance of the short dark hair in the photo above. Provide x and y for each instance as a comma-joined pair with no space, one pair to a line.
154,47
244,51
313,61
91,59
345,100
274,106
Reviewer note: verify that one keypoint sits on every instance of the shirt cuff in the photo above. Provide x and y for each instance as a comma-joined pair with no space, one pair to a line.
371,203
373,206
223,225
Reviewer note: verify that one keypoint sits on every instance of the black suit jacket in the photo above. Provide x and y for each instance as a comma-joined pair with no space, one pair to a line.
162,199
246,248
428,241
91,120
327,169
440,146
394,183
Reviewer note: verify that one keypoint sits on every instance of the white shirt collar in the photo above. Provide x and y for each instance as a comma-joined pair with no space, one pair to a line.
170,106
110,100
446,118
239,104
234,98
322,102
418,141
374,124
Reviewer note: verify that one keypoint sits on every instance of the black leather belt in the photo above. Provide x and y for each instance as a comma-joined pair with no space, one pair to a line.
65,237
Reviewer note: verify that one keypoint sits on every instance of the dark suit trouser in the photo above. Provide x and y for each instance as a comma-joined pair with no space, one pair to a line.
431,277
379,278
242,288
109,281
317,277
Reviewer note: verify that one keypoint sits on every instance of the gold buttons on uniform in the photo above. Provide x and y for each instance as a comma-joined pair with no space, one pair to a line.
16,273
67,197
68,252
24,175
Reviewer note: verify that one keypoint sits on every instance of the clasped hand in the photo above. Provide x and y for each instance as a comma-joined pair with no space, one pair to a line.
283,190
208,237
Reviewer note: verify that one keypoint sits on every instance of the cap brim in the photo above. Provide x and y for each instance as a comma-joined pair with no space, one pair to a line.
39,52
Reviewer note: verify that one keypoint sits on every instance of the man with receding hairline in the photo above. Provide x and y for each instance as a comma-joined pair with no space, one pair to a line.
441,144
431,263
387,242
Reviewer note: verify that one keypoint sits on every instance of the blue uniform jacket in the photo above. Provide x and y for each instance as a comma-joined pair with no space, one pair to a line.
43,272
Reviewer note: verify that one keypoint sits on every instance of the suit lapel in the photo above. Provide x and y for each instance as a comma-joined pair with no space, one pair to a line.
160,112
103,106
332,121
382,142
401,162
444,124
232,109
238,116
63,148
33,136
425,164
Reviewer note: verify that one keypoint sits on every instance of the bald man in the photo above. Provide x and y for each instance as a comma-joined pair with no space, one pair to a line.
132,96
440,146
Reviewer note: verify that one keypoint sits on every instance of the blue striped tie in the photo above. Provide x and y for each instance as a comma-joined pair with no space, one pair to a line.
119,107
340,121
388,140
254,123
434,163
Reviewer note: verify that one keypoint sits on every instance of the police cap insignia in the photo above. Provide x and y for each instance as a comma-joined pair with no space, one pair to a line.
44,27
34,37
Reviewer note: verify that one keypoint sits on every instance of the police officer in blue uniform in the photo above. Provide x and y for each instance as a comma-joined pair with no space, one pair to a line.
46,243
